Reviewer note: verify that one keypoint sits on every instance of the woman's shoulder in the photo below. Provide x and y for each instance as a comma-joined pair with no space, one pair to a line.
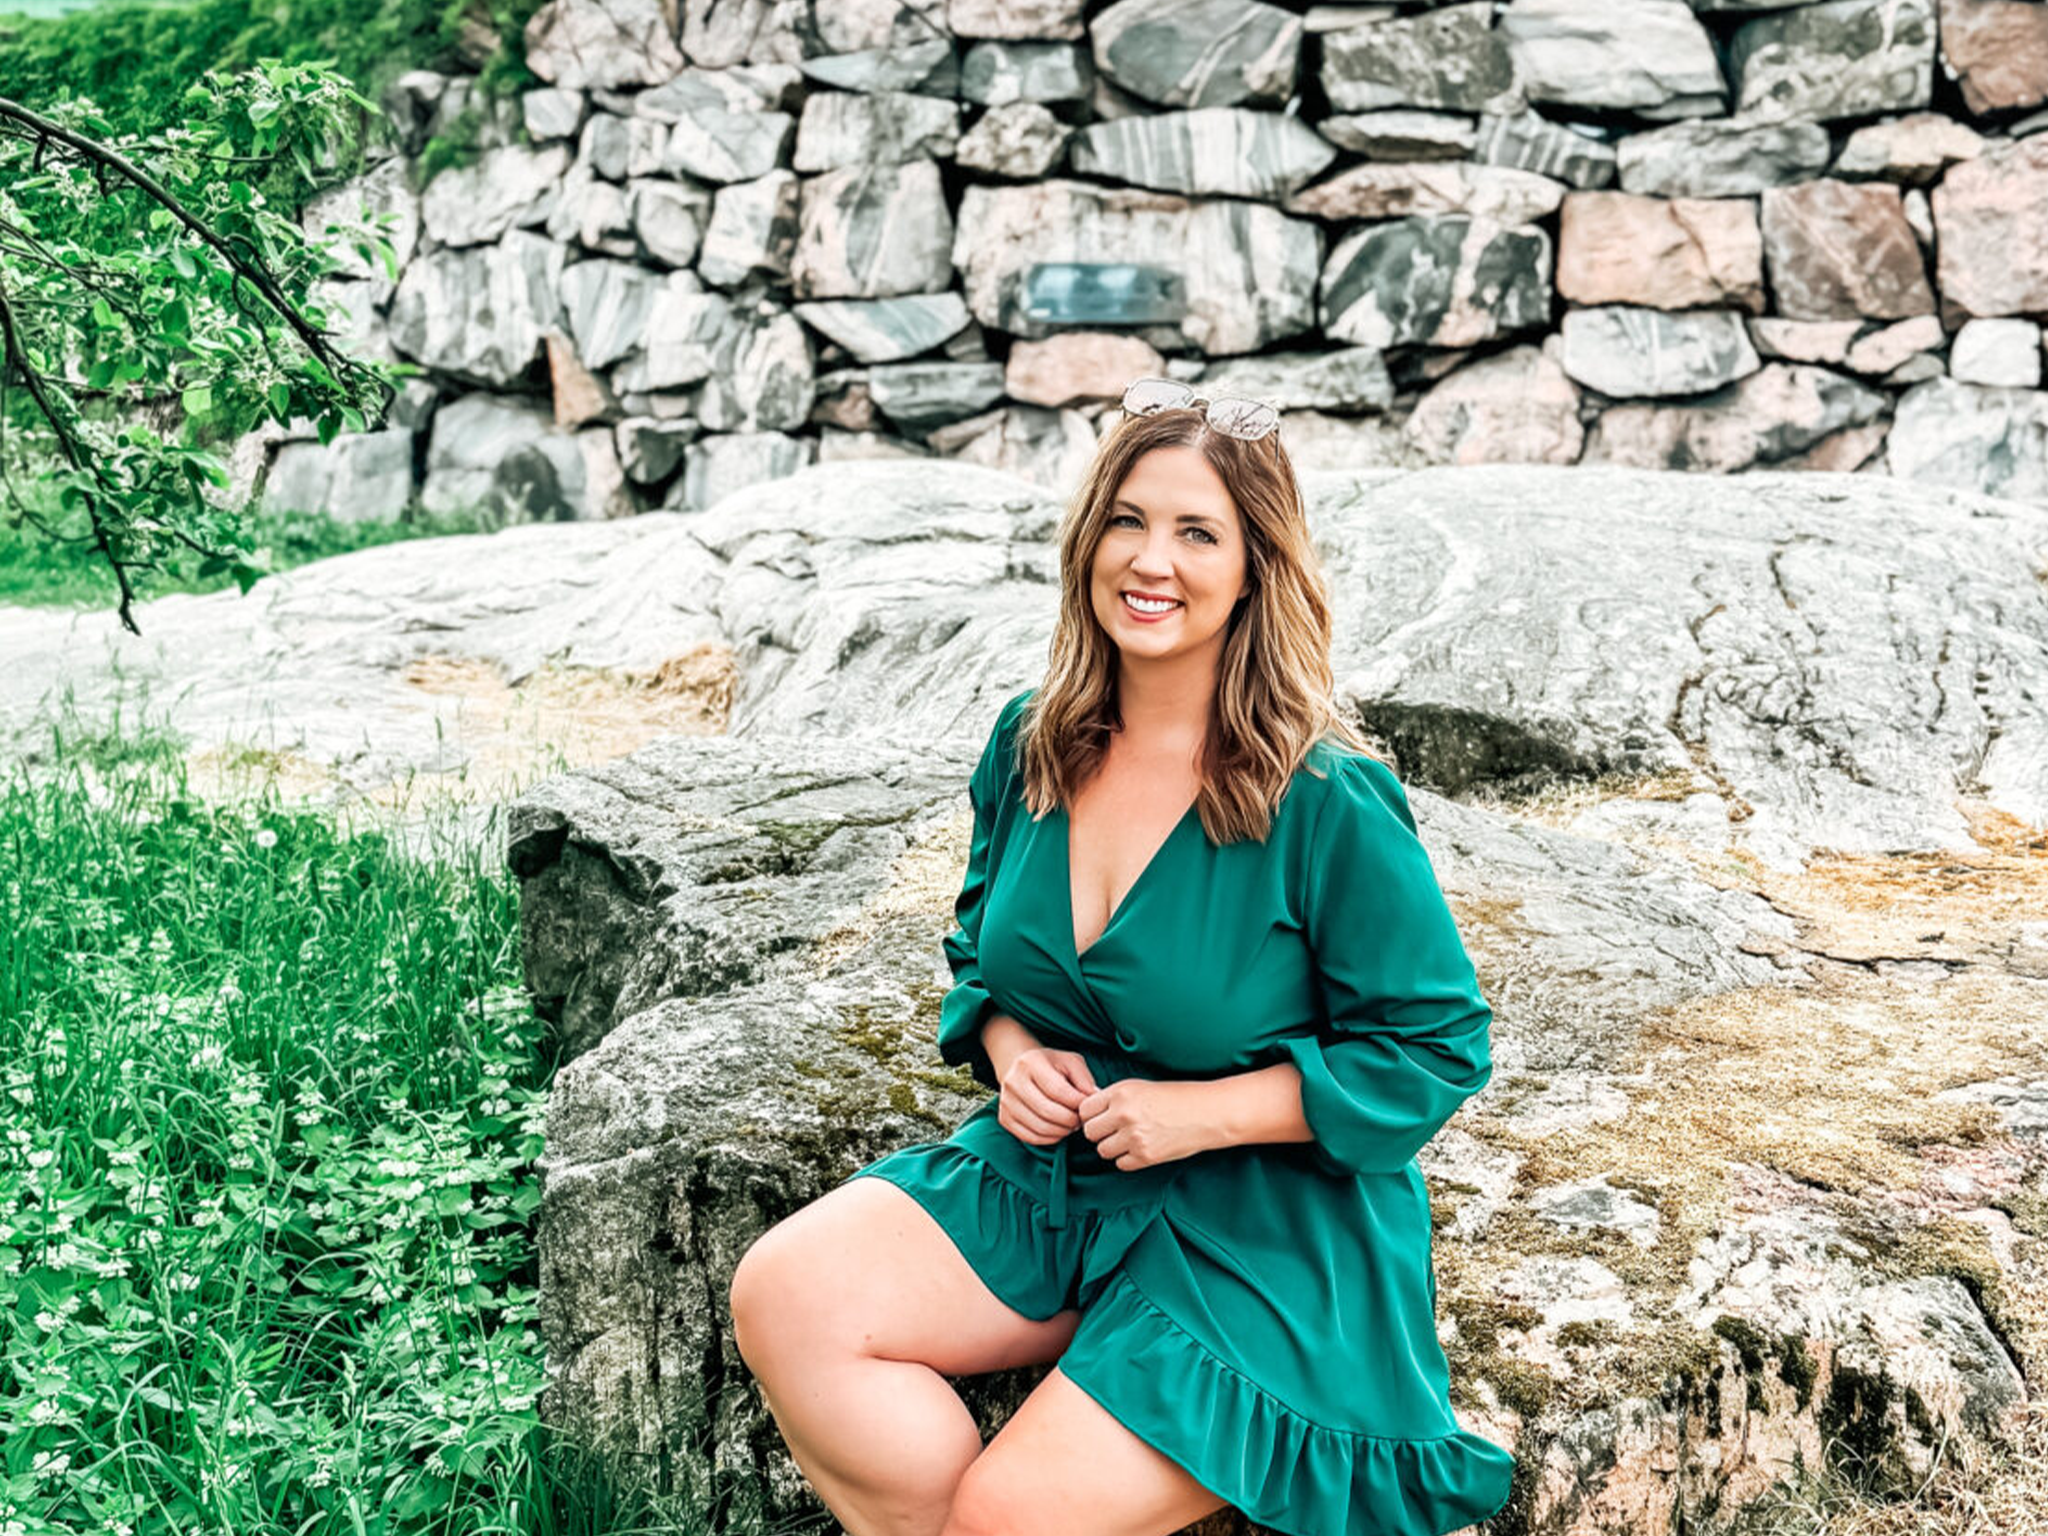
1342,781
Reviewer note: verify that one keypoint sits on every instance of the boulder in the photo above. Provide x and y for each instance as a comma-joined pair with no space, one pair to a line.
1841,58
1249,271
479,313
1198,53
1449,58
1228,151
1652,58
1673,1219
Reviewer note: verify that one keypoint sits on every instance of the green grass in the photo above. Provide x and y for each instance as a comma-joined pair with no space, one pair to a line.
36,572
270,1102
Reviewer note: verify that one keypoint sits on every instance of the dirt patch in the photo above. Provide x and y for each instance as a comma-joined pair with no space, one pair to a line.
506,735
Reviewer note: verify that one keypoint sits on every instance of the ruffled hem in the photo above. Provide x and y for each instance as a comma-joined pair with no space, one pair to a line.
1244,1445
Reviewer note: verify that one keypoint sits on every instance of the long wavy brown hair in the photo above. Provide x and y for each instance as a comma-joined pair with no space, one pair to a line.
1274,698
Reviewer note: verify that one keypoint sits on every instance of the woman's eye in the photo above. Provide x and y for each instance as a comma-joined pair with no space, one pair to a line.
1132,517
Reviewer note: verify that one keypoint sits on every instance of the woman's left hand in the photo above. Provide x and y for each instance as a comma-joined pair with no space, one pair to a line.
1138,1122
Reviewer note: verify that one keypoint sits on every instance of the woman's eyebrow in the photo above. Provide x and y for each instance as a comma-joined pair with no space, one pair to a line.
1185,517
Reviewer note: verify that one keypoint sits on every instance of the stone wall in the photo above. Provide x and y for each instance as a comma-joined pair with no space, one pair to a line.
733,238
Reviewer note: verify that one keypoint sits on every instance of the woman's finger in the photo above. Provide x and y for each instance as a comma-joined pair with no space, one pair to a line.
1022,1119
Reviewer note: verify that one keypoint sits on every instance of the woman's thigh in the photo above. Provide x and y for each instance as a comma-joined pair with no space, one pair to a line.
1062,1465
865,1267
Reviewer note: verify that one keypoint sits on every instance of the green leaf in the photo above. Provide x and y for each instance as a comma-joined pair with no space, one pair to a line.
246,575
198,400
182,262
281,400
328,426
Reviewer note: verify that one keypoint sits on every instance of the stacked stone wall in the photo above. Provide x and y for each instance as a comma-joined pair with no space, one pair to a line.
729,239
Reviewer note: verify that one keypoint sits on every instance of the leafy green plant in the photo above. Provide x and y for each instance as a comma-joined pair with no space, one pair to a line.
271,1099
146,280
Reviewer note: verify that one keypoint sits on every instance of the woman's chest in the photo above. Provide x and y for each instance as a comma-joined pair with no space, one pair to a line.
1201,965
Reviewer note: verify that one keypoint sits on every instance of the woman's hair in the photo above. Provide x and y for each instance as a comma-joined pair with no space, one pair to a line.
1273,697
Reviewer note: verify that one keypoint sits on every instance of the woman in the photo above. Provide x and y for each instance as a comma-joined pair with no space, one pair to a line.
1205,962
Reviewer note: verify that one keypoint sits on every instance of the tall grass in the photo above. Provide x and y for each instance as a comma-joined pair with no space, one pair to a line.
271,1097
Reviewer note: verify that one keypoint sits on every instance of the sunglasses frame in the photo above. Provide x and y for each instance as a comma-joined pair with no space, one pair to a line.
1196,398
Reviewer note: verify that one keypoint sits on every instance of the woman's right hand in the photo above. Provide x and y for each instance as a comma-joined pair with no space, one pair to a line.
1041,1091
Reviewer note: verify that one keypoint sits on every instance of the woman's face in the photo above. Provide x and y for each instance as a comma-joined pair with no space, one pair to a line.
1173,532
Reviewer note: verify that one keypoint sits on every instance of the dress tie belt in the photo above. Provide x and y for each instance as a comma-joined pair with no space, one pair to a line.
1056,1195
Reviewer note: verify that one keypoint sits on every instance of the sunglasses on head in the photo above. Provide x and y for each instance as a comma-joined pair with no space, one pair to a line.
1232,415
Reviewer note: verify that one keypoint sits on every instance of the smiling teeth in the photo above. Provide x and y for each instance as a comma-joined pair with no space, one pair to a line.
1144,606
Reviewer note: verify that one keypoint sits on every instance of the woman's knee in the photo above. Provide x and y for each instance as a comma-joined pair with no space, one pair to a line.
991,1504
759,1295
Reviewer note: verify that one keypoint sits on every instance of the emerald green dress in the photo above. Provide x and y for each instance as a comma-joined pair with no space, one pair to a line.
1263,1314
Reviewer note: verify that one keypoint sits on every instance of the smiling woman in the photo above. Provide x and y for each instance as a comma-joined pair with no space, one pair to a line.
1203,959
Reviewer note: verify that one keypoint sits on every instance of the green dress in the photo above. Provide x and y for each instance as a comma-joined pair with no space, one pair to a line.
1264,1315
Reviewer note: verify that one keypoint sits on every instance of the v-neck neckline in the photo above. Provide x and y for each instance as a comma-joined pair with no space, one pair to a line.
1067,878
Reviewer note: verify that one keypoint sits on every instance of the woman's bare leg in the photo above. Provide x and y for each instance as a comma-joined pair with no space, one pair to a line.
851,1313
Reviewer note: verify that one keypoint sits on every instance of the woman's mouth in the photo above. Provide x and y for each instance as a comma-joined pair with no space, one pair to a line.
1147,611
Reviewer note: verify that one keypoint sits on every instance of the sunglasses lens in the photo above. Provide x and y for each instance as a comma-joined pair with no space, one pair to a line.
1149,395
1241,418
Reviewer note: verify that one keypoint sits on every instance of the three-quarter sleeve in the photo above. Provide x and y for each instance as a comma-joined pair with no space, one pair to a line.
967,1006
1407,1034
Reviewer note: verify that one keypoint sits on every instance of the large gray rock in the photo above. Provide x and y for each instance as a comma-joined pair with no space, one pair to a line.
1452,59
717,466
1496,193
1773,414
593,214
1345,379
1198,53
748,988
752,233
621,148
917,396
1446,280
1228,151
1249,270
1020,139
928,67
763,378
871,232
995,74
887,330
1026,20
607,305
1529,141
509,460
1729,157
1623,350
360,477
506,188
1401,134
1974,437
884,127
1651,57
1841,58
575,44
670,218
687,333
480,312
